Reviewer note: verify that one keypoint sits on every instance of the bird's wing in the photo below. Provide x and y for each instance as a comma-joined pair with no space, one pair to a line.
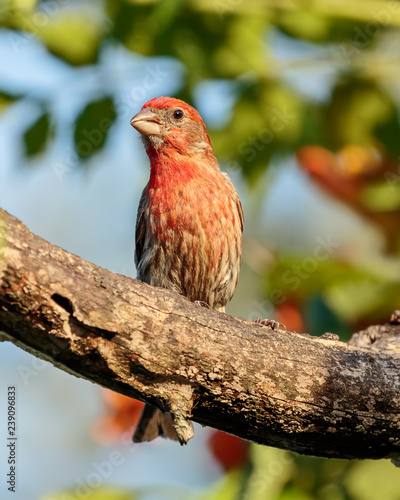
140,233
235,198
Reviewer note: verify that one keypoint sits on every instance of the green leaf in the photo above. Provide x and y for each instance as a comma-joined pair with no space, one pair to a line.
358,107
5,100
381,197
266,118
295,493
92,127
364,298
350,292
243,49
389,132
75,37
305,24
101,493
37,135
368,477
272,469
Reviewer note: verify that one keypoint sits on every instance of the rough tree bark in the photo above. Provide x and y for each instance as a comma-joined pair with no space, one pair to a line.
316,396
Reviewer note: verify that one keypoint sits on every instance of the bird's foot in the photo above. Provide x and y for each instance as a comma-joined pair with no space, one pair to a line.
395,319
201,304
329,336
274,325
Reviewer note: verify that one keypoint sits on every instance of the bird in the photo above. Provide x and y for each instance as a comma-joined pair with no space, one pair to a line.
189,223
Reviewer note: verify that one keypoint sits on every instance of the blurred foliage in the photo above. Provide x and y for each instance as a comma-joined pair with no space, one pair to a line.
275,475
37,135
346,141
96,493
229,40
280,475
92,126
73,37
352,293
5,100
357,108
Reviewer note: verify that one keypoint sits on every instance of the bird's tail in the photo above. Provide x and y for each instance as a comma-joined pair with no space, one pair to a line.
154,423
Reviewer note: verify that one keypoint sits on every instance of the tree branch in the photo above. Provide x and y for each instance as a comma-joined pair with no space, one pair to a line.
316,396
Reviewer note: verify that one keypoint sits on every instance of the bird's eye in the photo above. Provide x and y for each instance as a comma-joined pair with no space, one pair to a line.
178,114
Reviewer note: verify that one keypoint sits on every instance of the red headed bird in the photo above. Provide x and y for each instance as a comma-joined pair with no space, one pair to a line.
189,223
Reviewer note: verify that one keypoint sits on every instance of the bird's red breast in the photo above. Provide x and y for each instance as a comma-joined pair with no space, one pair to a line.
190,219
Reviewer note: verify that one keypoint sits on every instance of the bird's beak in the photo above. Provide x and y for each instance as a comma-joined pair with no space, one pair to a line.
146,122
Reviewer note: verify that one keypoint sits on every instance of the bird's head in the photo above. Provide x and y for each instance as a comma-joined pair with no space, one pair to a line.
170,125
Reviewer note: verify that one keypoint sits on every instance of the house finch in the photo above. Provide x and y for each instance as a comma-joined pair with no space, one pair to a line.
189,224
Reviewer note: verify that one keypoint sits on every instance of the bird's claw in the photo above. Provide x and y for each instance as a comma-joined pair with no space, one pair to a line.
201,304
330,336
395,319
274,325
